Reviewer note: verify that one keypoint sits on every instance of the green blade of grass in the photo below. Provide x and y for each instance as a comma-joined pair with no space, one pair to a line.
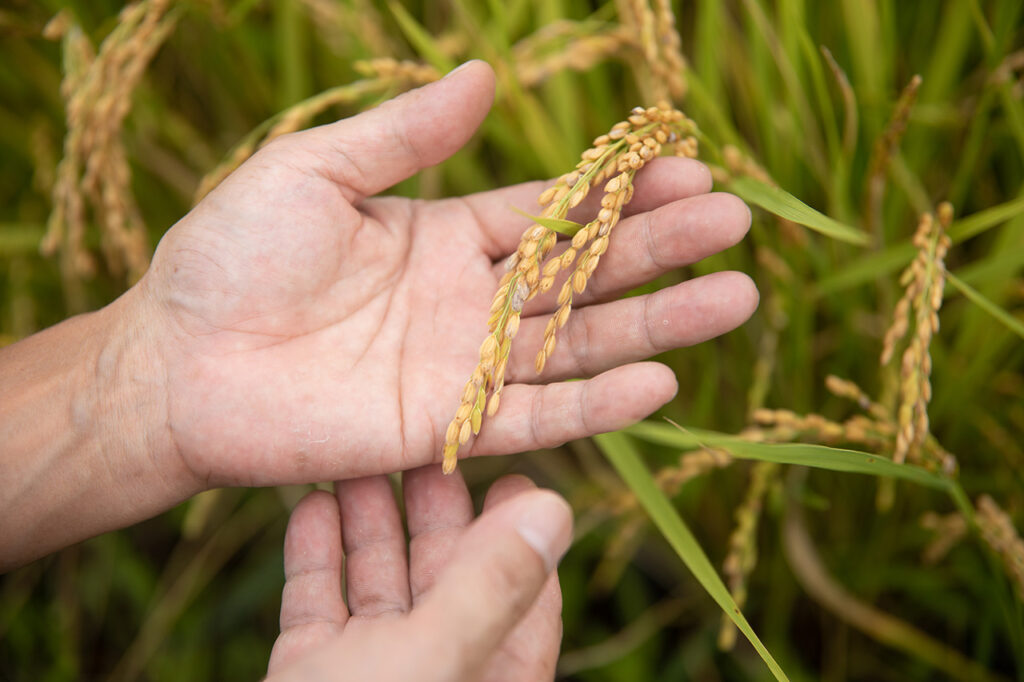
626,460
421,38
785,205
976,223
1001,267
976,297
874,265
801,454
866,269
290,40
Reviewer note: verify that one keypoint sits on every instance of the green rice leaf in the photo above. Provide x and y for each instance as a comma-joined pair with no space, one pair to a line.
785,205
566,227
420,38
623,455
801,454
976,223
874,265
976,297
866,269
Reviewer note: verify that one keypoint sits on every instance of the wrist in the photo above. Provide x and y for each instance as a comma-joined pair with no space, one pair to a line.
83,426
125,397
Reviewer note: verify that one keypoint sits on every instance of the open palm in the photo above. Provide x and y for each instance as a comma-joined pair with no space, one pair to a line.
312,333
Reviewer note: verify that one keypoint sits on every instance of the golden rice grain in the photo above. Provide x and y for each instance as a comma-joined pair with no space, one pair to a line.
93,176
529,272
999,533
924,280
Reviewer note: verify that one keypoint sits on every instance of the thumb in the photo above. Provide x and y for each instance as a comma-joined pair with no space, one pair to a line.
496,573
376,149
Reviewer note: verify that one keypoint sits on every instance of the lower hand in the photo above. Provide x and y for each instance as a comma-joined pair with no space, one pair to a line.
466,600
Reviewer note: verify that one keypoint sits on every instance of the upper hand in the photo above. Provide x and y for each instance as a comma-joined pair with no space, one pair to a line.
307,332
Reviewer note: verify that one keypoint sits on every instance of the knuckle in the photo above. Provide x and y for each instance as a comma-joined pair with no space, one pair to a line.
579,339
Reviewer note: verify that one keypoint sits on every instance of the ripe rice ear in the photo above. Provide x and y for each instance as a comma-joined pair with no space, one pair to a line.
613,162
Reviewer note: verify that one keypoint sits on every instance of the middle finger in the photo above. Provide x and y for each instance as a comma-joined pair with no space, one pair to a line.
438,508
376,568
599,337
649,244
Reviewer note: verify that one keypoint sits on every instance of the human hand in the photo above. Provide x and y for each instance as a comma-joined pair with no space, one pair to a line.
476,599
290,329
306,332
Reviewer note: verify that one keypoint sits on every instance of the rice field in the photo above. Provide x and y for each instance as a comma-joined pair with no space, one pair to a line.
837,491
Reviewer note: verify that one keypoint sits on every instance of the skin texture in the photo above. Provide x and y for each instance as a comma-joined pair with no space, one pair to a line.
291,329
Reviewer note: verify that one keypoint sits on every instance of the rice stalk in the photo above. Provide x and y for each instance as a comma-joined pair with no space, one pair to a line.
742,556
882,157
670,68
822,586
741,559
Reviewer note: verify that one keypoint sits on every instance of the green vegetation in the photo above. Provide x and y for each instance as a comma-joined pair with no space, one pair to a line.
846,563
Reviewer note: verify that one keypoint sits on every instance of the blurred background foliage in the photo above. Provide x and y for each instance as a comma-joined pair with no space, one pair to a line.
846,576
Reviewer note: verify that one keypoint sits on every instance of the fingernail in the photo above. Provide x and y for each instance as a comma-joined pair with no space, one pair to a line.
546,526
458,68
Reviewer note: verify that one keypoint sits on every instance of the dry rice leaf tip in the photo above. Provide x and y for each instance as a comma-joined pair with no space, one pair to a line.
611,164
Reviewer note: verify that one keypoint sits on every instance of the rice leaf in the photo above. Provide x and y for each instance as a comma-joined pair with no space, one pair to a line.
801,454
566,227
623,455
420,38
979,299
976,223
785,205
867,269
874,265
1001,266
